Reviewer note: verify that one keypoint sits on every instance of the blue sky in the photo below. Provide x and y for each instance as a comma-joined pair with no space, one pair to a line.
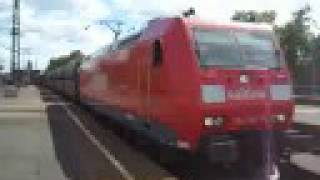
55,27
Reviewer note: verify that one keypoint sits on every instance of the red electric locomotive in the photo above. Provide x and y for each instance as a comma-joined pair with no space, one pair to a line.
199,86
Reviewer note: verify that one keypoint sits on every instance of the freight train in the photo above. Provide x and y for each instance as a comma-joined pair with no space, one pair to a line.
221,90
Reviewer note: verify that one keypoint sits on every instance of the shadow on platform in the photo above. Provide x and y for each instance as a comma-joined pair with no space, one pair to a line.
78,158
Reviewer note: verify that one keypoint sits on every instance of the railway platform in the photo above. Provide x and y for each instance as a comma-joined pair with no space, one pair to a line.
45,137
307,120
308,114
26,148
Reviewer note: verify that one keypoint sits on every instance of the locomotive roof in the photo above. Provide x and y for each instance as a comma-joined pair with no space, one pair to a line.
195,21
206,23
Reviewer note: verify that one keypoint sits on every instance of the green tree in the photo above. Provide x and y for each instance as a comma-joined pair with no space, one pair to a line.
296,38
62,60
254,16
316,50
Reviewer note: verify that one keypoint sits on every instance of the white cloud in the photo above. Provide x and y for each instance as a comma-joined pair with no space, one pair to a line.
90,9
51,29
213,9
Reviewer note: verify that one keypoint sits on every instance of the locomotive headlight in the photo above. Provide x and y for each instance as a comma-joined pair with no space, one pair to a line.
208,121
213,121
213,93
281,117
281,92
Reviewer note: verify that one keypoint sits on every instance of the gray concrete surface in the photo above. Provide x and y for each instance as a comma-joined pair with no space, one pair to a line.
307,161
307,119
307,114
26,149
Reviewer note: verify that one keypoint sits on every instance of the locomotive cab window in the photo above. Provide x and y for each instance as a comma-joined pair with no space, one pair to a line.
236,48
157,53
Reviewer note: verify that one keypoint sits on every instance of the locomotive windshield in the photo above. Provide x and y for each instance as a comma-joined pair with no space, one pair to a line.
236,48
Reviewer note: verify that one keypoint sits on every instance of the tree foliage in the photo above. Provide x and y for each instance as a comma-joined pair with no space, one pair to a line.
316,50
255,16
296,38
62,60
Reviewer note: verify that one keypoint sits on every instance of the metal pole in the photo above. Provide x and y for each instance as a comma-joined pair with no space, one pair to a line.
18,35
15,35
36,63
13,41
117,31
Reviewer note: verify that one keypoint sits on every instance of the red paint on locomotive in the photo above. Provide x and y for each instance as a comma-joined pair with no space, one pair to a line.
186,96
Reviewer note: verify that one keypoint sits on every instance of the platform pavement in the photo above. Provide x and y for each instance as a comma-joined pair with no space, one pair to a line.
307,161
28,100
26,149
307,114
